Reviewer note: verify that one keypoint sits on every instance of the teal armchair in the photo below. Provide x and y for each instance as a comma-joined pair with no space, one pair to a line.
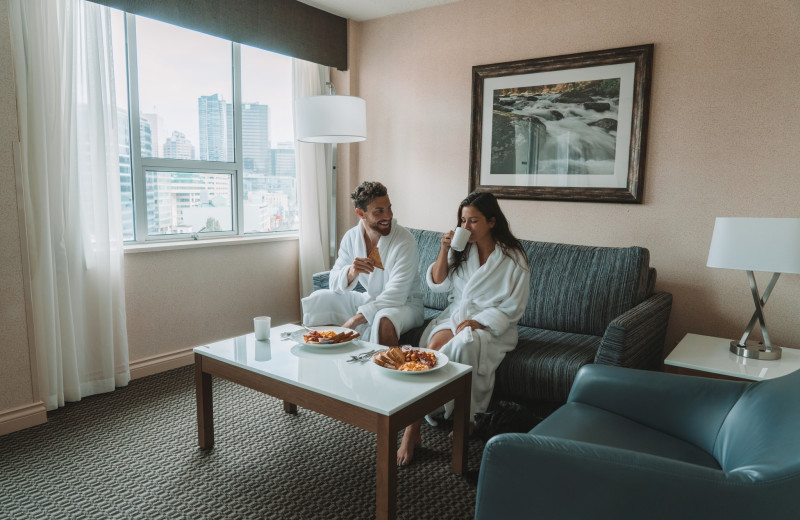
632,444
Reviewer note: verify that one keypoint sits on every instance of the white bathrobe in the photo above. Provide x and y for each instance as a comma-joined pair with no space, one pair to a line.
393,292
493,294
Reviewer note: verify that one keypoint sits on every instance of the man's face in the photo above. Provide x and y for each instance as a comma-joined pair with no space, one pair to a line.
378,215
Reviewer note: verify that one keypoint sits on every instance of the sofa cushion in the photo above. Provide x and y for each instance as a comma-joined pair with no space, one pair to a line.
429,244
581,289
543,365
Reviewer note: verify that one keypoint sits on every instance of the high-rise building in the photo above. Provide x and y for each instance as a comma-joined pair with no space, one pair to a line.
282,162
156,127
215,128
125,170
178,147
255,137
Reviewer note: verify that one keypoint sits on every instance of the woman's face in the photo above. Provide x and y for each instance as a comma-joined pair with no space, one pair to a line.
474,221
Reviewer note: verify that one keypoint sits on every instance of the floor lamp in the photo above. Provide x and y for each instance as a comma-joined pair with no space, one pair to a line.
331,119
756,244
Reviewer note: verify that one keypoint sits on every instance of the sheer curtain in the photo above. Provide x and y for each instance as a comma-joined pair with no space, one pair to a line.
313,162
70,169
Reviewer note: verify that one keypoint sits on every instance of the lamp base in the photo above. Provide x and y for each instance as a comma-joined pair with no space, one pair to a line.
755,350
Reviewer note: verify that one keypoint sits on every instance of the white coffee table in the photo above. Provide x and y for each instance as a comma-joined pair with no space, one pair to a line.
321,379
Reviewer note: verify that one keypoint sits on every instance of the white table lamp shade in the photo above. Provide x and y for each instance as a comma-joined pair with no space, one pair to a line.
331,119
756,244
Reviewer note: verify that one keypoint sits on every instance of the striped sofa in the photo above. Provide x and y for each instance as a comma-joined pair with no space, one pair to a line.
587,305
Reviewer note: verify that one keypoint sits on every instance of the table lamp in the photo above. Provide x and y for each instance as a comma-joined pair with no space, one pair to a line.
331,119
756,244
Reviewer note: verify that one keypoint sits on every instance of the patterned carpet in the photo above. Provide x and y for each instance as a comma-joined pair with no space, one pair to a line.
133,454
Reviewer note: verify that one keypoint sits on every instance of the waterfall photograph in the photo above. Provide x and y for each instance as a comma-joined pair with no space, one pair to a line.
571,127
567,128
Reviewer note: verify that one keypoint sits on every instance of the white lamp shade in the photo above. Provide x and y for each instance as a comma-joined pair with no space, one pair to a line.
756,244
331,119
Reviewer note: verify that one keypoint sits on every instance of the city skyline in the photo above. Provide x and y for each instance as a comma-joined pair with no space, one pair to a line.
173,76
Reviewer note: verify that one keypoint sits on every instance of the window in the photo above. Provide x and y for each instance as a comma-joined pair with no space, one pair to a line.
212,153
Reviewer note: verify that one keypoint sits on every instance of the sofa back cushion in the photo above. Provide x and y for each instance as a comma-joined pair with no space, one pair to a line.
429,243
581,289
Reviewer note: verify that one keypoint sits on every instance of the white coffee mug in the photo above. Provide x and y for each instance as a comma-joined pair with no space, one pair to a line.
460,239
261,326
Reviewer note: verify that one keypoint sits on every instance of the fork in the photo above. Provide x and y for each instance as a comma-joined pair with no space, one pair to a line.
363,356
285,335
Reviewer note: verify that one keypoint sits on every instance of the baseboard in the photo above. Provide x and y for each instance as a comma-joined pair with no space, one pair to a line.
21,417
161,363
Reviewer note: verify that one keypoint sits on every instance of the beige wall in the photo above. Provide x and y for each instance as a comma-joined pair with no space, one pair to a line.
724,137
184,298
16,382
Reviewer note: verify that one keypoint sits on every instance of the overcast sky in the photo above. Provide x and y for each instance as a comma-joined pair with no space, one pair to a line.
177,66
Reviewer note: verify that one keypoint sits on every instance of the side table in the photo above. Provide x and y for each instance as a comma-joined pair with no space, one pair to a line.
710,357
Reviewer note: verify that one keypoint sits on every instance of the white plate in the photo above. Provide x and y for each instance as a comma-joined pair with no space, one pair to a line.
441,360
297,336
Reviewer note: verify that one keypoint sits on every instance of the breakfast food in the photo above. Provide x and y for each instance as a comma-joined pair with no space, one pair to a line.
405,359
328,337
375,256
392,358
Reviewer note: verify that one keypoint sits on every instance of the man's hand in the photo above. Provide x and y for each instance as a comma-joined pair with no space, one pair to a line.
355,321
469,323
360,265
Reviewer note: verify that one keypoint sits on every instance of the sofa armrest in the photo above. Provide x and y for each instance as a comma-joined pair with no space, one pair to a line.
635,339
320,280
686,407
533,476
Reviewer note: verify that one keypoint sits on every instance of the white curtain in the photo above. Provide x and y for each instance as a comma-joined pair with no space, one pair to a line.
313,182
70,169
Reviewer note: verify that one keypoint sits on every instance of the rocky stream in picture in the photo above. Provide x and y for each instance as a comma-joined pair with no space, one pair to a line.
567,128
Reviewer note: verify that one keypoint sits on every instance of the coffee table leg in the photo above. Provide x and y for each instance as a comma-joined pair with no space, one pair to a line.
386,472
461,427
289,407
205,409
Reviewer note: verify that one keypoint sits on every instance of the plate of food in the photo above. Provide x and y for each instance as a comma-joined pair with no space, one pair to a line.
324,336
407,360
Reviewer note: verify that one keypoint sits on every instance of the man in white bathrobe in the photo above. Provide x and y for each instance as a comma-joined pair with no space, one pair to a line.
383,257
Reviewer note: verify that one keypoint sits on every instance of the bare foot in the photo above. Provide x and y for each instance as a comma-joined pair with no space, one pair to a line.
411,439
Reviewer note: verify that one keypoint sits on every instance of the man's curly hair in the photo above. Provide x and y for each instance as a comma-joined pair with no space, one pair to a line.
366,192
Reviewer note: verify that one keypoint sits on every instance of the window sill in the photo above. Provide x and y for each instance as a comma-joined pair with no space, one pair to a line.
152,247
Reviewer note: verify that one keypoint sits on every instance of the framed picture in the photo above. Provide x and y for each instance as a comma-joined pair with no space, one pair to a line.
570,127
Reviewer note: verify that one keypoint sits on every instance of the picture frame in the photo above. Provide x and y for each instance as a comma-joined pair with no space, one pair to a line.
570,128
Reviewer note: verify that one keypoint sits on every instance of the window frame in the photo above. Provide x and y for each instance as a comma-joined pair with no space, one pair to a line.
140,165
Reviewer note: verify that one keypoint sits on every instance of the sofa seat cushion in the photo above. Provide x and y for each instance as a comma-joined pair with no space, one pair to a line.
414,336
585,423
543,365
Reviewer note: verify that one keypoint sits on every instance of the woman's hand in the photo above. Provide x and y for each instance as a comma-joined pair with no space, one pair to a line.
469,323
446,239
439,271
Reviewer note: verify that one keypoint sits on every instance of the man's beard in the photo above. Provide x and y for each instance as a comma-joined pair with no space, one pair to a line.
378,229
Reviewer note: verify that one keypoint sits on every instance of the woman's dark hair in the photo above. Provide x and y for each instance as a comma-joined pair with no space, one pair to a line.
366,192
487,204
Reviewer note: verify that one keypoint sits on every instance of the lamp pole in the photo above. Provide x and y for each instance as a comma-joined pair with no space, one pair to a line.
332,204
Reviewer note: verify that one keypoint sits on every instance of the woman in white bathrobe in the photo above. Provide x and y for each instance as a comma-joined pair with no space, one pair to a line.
489,284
